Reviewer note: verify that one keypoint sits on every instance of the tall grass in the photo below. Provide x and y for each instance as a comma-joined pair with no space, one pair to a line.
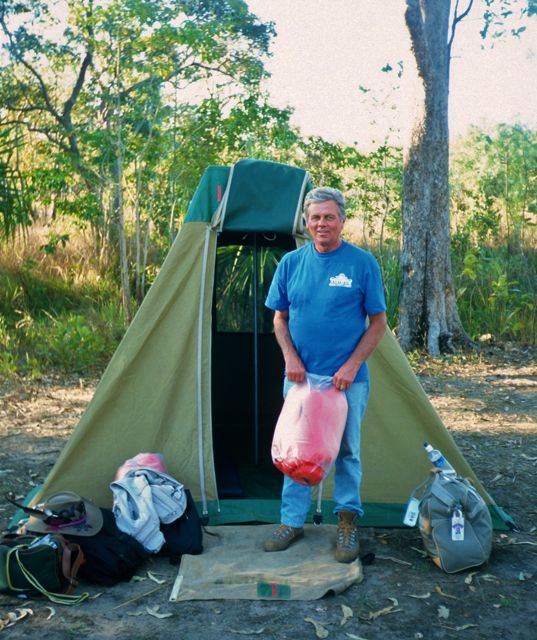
497,292
56,312
495,281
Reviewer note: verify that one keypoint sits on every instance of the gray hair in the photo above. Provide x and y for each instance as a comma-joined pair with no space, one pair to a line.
324,194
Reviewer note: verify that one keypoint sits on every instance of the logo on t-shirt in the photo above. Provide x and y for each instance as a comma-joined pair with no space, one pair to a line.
340,280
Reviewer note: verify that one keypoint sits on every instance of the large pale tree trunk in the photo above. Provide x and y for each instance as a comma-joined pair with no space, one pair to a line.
428,310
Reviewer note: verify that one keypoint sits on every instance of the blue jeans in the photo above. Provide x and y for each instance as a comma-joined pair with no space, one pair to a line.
296,498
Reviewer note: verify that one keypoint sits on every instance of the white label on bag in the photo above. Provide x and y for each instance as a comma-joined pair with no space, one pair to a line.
457,526
412,511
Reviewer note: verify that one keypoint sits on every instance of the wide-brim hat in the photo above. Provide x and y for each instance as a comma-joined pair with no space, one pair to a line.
65,513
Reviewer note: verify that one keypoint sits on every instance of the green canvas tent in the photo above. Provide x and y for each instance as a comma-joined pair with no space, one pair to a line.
198,375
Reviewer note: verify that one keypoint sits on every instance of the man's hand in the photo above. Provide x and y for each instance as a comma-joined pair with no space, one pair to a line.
344,376
294,368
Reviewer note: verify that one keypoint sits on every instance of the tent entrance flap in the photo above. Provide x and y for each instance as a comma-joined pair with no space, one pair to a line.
246,363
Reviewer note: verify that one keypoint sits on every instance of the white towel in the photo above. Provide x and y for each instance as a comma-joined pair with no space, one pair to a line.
143,499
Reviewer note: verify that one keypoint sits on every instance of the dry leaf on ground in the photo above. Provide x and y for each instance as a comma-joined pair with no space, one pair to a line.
320,631
443,612
347,613
154,611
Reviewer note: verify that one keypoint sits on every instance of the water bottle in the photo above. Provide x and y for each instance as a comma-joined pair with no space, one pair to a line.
412,512
438,459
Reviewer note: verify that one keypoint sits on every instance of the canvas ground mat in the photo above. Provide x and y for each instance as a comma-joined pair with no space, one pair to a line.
233,565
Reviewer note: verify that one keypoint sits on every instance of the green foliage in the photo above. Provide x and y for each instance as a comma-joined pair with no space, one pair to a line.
376,191
15,207
234,286
69,342
388,259
47,323
496,295
135,98
494,211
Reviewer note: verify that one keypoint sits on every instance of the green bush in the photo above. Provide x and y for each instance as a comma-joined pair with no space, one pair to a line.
49,324
495,293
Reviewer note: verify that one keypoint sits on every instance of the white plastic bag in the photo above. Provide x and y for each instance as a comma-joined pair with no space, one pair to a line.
308,433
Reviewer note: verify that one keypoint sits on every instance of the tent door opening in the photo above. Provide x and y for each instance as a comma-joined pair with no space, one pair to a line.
247,365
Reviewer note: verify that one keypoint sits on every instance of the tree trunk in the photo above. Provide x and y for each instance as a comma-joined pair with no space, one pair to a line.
427,308
119,211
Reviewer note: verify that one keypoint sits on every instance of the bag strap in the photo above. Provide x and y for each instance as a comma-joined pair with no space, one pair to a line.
420,489
58,598
72,558
444,495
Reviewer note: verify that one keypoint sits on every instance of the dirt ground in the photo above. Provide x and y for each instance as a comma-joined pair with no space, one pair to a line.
488,402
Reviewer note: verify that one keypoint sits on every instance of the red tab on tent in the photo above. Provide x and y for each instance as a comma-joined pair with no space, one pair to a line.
219,192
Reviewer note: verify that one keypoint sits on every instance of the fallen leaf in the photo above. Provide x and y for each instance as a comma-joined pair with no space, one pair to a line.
353,637
466,626
320,631
462,627
51,614
488,577
512,541
12,617
154,611
443,612
409,564
23,613
138,578
248,632
524,575
470,577
373,615
421,597
422,553
153,577
438,590
347,613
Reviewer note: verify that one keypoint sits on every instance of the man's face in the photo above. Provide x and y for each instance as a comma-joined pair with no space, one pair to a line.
325,225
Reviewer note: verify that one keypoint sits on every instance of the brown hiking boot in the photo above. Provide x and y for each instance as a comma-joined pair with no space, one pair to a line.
282,538
347,545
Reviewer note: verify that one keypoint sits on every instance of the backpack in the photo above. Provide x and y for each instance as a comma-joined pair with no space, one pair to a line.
111,556
183,535
454,522
32,565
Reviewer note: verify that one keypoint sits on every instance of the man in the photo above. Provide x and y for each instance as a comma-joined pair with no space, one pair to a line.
322,294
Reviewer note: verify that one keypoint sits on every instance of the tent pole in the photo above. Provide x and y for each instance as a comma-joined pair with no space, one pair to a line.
256,345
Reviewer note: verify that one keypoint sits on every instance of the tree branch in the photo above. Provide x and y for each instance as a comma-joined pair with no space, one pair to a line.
70,102
456,19
86,63
48,134
17,54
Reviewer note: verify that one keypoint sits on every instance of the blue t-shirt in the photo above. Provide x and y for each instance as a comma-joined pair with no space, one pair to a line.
328,296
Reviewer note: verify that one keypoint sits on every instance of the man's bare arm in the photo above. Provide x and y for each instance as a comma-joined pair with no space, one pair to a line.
294,367
344,376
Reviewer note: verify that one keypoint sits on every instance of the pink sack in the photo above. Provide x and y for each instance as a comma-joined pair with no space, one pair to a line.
309,430
154,461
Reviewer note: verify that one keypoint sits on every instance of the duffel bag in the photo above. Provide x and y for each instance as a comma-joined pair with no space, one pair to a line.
40,565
